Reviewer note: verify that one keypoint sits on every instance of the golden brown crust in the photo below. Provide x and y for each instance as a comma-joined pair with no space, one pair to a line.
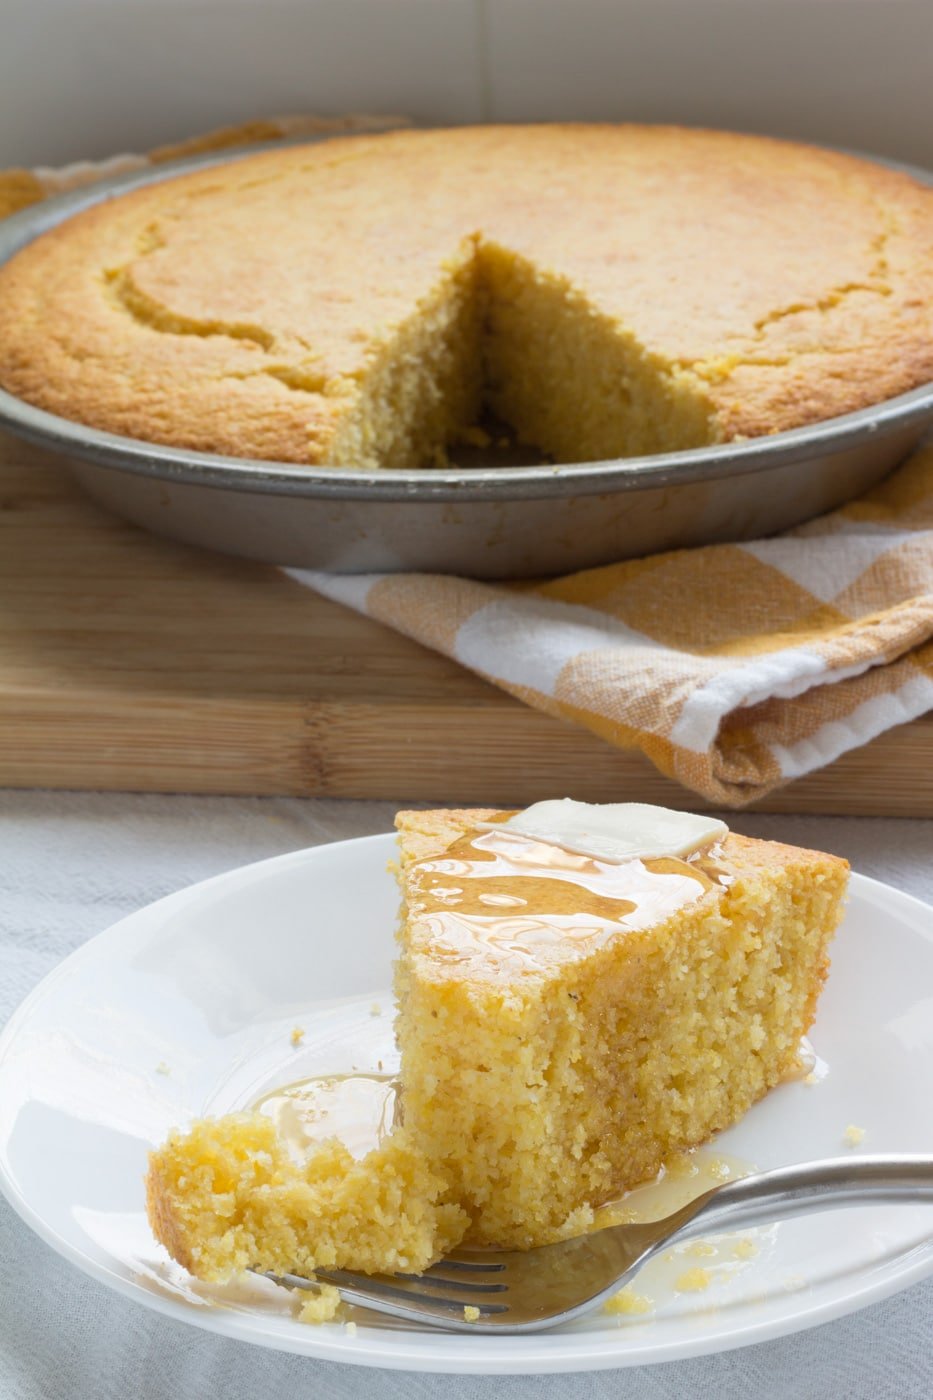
237,309
162,1216
424,834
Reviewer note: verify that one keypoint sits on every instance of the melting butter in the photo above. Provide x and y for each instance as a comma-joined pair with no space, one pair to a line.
615,831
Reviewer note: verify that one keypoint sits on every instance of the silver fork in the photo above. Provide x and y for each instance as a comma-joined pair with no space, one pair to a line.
530,1290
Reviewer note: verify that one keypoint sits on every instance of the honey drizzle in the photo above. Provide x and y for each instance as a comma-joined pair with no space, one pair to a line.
524,904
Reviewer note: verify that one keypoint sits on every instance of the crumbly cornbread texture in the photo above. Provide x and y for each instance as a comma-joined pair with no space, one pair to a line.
607,290
226,1196
534,1088
546,1087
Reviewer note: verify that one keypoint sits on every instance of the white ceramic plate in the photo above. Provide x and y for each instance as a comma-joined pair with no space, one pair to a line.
208,985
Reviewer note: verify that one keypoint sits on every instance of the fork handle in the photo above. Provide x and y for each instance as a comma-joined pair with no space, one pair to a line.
799,1190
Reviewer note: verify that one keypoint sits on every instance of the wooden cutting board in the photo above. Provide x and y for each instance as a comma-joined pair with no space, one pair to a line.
131,662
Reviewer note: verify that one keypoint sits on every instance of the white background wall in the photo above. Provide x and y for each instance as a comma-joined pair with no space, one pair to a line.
89,77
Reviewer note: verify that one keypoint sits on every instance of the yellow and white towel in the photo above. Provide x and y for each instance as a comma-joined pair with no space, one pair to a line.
734,668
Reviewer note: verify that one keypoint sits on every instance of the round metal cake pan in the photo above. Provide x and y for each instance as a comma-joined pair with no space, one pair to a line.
485,521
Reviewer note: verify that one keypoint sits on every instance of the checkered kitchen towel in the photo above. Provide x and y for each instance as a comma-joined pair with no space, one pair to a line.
734,668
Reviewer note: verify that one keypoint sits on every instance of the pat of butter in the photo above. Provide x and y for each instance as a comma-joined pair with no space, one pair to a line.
614,831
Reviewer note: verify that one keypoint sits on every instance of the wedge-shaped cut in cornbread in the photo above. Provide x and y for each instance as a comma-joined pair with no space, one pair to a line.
566,1025
606,290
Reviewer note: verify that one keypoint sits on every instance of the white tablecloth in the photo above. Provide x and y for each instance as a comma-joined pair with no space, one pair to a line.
70,864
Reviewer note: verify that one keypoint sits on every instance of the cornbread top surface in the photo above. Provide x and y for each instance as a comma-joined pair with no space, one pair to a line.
237,309
486,905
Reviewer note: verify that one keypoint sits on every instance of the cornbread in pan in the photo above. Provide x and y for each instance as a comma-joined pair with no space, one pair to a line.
606,290
566,1026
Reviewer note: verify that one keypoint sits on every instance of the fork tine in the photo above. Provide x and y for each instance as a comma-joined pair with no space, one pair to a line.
429,1279
474,1264
367,1288
382,1297
467,1258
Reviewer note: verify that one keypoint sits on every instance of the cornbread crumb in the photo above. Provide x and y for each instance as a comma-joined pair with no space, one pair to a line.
694,1281
350,1328
745,1249
375,1009
811,1078
297,1035
322,1306
853,1136
628,1301
163,1068
470,1313
701,1249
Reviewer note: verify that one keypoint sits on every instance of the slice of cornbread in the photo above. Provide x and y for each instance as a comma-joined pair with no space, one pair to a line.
566,1024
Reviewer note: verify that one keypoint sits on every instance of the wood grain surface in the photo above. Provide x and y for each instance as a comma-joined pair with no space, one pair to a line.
131,662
